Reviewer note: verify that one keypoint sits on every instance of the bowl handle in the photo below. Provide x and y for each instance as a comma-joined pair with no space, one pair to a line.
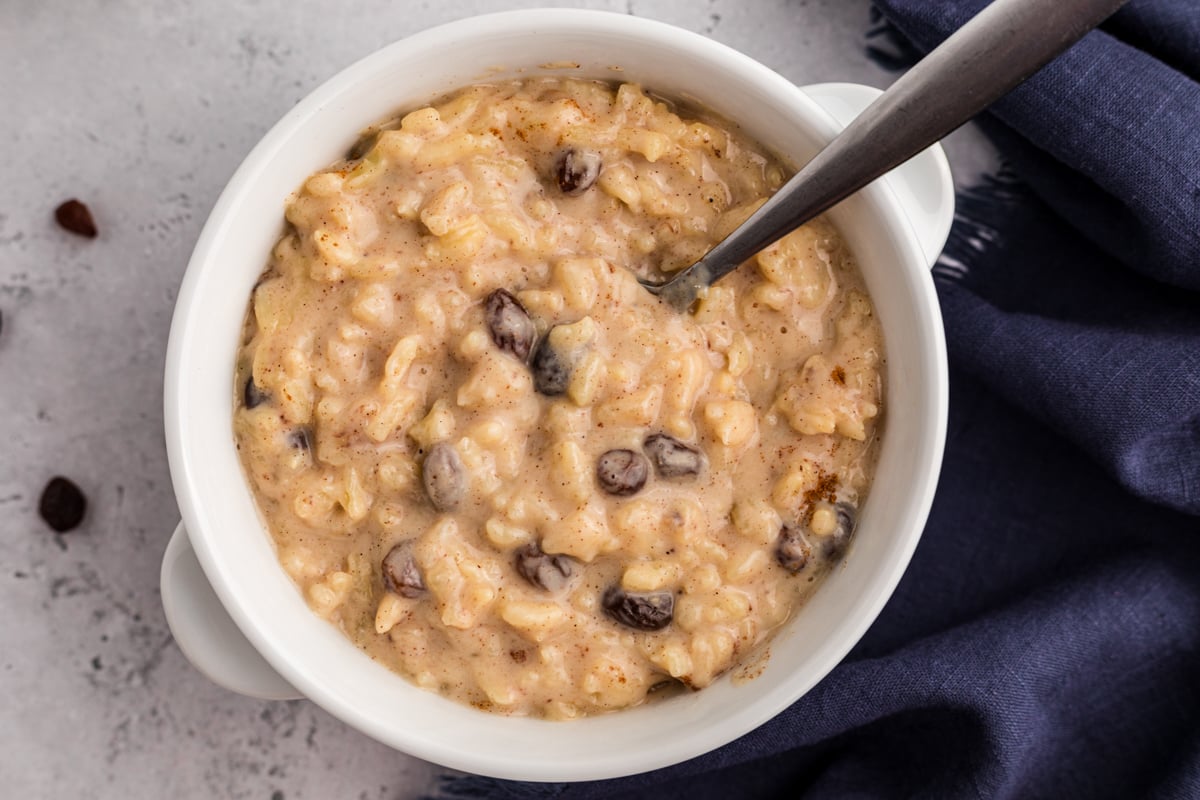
923,184
207,634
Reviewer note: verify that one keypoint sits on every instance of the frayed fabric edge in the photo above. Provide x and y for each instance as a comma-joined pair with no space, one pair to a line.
887,47
979,214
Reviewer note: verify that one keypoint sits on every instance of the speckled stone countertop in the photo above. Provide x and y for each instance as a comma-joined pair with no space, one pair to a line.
143,109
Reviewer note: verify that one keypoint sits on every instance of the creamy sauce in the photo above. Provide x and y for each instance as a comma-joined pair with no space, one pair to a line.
503,468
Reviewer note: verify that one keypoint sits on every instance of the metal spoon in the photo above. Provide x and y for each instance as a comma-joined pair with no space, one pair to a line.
985,59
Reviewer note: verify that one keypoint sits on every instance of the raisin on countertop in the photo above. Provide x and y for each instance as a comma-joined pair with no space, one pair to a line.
75,217
62,504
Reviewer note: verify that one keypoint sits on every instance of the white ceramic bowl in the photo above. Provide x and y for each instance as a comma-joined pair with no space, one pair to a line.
894,227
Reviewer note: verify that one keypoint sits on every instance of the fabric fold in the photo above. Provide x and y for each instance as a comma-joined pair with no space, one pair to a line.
1056,326
1118,118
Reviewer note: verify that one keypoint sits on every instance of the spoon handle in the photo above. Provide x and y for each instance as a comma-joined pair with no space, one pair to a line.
995,51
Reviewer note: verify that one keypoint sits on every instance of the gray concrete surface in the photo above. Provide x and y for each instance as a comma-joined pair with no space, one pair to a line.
143,109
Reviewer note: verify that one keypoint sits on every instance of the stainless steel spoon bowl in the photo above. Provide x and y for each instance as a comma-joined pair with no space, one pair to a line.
1002,46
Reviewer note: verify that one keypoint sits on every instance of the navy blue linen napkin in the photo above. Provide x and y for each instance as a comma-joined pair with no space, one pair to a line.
1045,641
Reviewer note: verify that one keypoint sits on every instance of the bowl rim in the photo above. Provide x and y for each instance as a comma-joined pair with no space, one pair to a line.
184,465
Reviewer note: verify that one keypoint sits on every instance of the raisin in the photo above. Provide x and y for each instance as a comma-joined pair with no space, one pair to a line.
252,396
577,170
551,374
363,145
62,505
671,457
401,573
666,687
75,217
792,551
622,472
300,439
550,572
444,476
838,541
646,611
509,324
